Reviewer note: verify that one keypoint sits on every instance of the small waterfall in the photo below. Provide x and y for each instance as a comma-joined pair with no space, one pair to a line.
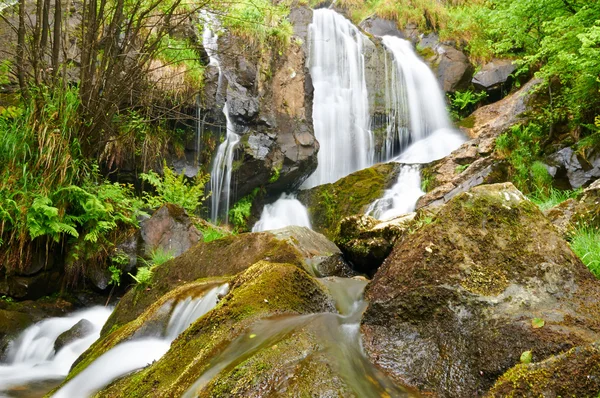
139,353
286,211
220,181
32,358
414,101
340,103
401,198
220,175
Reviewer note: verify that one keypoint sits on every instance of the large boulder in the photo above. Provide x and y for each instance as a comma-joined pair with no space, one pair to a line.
575,373
455,304
453,68
81,329
577,212
366,242
578,170
328,203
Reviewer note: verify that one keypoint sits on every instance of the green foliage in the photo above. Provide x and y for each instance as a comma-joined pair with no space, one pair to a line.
460,168
240,212
275,175
521,147
115,275
537,323
6,299
526,357
462,103
181,53
175,189
143,276
210,234
585,242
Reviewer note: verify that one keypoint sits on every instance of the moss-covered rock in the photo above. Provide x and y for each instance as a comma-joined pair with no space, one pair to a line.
575,373
577,212
327,204
223,257
451,308
264,290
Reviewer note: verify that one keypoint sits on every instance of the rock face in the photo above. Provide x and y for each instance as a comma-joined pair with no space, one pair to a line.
571,166
327,204
78,331
566,215
474,163
269,96
451,308
366,242
453,68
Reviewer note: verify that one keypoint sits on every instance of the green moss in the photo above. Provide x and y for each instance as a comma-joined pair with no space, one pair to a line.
265,289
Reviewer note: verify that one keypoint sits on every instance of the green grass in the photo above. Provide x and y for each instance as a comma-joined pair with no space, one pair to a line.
210,234
553,198
585,242
160,256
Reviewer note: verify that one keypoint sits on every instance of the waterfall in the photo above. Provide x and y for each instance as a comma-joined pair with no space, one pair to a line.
340,102
286,211
138,353
220,175
401,198
32,357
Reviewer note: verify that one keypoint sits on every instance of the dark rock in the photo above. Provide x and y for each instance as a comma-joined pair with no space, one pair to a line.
327,204
80,330
454,70
575,373
494,76
31,287
169,230
366,242
577,169
321,256
451,309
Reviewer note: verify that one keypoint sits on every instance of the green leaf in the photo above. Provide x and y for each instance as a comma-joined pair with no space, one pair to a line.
526,357
537,323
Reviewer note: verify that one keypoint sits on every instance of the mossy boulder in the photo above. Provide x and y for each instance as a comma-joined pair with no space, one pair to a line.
265,289
575,373
577,212
451,308
327,204
366,242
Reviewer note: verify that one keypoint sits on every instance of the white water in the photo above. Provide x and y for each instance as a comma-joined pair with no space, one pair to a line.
401,198
137,354
220,182
418,115
340,102
286,211
31,357
220,175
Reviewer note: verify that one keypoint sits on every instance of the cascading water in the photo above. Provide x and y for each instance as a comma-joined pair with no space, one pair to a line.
286,211
418,115
340,102
220,175
138,353
32,358
220,181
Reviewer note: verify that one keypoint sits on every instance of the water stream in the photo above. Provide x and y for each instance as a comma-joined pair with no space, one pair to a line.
337,336
286,211
31,359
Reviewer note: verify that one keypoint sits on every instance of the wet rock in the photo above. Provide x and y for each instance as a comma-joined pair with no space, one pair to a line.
366,242
169,230
494,76
451,308
578,170
321,256
380,27
31,287
575,373
264,290
327,204
80,330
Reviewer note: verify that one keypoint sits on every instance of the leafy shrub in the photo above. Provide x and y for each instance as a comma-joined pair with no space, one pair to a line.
240,212
210,234
585,242
173,188
462,103
143,276
160,256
